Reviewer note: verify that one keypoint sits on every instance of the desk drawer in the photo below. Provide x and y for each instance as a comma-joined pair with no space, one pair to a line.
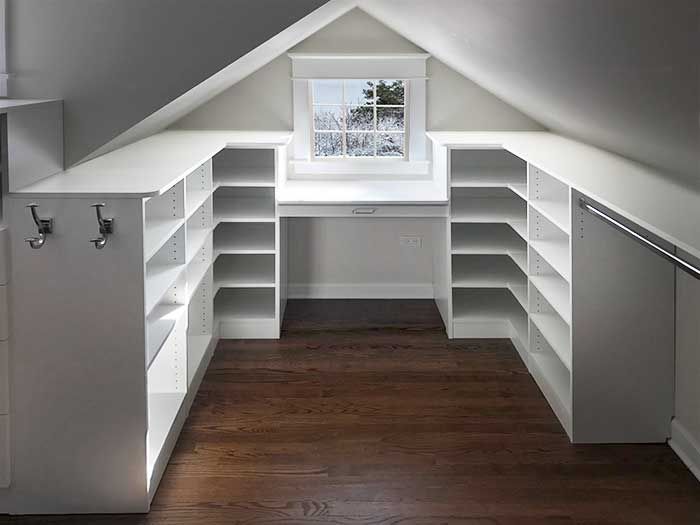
361,210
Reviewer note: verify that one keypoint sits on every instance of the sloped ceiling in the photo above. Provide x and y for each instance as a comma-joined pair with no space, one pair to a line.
619,74
114,62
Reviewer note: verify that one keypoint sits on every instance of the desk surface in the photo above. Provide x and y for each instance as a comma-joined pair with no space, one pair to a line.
660,204
361,192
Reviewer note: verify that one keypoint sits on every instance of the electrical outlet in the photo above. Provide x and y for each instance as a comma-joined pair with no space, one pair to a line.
410,241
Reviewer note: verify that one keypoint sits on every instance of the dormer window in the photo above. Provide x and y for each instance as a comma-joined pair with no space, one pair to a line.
359,118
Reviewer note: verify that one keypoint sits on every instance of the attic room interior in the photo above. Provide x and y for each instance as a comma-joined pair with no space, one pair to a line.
350,262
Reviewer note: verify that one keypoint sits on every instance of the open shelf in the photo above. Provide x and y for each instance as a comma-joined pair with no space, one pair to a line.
551,198
161,323
244,271
489,271
550,242
162,411
556,332
196,348
489,239
555,382
473,168
157,233
556,291
244,168
245,304
483,312
244,205
244,238
159,279
493,206
164,214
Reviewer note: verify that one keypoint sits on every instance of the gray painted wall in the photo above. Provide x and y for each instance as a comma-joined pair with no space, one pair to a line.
117,61
619,74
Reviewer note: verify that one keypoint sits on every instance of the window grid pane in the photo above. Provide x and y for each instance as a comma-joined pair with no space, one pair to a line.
349,121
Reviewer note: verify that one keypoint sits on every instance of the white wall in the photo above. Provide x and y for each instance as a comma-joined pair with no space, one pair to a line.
345,257
264,99
114,62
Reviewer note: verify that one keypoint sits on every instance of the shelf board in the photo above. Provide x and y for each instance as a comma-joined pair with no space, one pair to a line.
491,271
486,306
231,209
229,177
245,271
196,271
556,212
555,382
519,189
484,210
556,291
556,253
557,334
245,304
196,238
162,412
195,200
196,348
158,280
487,177
160,325
157,233
245,239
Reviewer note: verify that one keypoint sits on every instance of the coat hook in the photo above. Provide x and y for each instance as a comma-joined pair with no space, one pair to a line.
44,226
106,226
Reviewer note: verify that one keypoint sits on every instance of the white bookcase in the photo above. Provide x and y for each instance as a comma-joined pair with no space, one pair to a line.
525,263
488,246
248,268
129,329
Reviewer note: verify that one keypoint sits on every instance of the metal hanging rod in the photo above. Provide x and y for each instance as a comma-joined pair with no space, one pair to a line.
680,263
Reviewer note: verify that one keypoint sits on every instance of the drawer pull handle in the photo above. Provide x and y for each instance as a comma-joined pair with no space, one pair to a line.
364,211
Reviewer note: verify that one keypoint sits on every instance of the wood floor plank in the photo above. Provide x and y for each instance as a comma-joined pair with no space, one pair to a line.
364,413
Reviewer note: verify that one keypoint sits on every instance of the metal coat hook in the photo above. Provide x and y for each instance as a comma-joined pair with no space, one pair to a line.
44,226
106,226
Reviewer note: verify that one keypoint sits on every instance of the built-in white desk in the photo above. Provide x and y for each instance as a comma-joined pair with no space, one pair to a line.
197,251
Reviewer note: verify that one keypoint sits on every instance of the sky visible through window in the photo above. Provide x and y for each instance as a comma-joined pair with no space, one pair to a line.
359,118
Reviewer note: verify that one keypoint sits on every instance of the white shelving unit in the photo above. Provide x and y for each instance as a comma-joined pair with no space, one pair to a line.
551,363
250,299
488,247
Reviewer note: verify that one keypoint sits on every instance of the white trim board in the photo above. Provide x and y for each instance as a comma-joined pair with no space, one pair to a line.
685,446
361,291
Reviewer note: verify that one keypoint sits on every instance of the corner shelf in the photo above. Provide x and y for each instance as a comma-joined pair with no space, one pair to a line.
245,304
492,207
244,271
244,238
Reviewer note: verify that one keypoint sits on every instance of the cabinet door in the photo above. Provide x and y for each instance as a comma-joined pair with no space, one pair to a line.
79,416
623,335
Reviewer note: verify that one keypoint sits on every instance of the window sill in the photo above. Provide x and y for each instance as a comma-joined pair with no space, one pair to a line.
359,169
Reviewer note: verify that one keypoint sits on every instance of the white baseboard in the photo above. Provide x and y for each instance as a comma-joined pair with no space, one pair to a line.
361,291
686,447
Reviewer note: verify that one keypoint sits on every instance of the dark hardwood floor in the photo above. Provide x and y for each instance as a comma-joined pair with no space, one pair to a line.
365,414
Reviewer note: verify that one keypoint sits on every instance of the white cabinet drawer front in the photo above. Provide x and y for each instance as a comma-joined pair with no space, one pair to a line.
3,314
360,211
4,256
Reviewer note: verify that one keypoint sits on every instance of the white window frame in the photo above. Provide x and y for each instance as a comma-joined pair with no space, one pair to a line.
409,67
344,131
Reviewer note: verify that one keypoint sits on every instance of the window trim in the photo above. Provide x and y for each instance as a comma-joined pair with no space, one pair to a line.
375,131
410,67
